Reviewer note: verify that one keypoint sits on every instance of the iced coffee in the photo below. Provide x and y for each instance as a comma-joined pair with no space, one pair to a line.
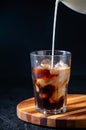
50,86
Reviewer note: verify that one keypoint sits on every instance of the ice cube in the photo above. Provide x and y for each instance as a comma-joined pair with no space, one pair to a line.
45,63
41,82
60,64
54,71
46,81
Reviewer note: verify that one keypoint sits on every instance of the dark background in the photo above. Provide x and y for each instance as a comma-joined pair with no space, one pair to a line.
26,26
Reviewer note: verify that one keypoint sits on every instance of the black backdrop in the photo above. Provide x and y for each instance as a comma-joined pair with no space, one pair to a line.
27,25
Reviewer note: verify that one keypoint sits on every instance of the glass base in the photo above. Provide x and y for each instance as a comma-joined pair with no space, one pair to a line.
55,111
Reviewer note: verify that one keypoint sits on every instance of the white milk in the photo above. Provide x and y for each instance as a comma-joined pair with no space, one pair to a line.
54,27
76,5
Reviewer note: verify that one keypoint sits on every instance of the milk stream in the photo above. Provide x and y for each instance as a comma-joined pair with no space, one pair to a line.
54,28
76,5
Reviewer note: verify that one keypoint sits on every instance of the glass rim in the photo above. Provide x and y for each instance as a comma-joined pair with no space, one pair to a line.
60,53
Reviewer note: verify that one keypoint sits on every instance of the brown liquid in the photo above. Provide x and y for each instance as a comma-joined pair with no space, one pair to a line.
50,87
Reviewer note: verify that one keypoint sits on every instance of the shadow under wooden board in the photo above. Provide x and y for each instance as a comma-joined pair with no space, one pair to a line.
75,117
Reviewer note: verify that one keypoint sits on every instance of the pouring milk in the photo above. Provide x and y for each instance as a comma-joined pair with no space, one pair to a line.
76,5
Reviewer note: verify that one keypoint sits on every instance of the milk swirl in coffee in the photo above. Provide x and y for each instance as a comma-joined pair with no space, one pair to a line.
50,84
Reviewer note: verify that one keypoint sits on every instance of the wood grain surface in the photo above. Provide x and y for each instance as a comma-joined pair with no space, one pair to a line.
75,117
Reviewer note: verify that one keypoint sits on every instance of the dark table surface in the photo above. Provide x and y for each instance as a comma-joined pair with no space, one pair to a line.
12,92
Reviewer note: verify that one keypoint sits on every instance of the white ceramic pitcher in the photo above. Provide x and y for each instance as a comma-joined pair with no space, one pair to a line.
76,5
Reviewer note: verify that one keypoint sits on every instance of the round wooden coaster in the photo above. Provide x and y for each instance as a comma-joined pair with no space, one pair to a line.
75,117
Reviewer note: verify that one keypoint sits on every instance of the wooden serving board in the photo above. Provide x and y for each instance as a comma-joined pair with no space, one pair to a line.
75,117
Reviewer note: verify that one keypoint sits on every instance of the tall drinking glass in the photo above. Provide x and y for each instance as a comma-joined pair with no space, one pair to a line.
50,82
